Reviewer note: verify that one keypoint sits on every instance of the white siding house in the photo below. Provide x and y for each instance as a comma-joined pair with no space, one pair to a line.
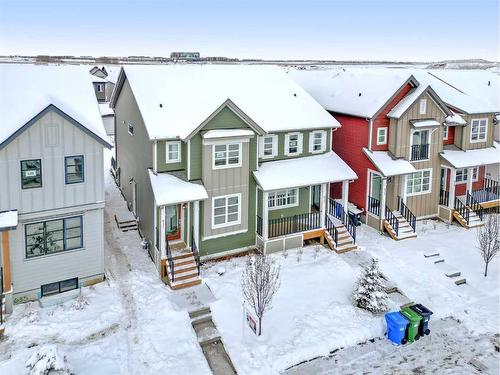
51,172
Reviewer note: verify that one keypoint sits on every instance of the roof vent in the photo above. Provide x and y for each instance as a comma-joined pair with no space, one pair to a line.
489,83
294,94
359,94
161,105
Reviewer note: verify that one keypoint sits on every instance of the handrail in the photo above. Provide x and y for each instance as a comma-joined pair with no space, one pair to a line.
462,209
331,229
351,228
374,205
259,226
408,215
419,152
392,219
337,210
294,224
444,197
170,259
194,249
488,192
474,205
1,295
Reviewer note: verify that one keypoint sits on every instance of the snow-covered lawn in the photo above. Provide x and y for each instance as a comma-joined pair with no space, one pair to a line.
129,326
312,312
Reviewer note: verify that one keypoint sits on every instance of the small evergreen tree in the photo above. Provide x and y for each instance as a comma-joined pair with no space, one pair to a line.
369,292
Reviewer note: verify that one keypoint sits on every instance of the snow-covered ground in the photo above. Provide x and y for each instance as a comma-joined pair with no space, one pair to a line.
129,326
312,313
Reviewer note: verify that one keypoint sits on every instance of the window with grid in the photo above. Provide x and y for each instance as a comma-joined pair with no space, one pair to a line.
462,175
173,150
53,236
478,130
292,144
73,166
31,174
226,211
445,133
282,199
318,141
227,155
381,136
419,182
269,144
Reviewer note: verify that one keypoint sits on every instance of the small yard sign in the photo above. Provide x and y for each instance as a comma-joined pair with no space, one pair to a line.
252,323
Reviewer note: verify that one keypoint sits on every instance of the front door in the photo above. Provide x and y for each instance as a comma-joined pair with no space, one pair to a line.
173,222
375,185
315,196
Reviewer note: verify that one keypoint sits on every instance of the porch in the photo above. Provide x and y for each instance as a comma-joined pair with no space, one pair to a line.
465,192
293,203
177,223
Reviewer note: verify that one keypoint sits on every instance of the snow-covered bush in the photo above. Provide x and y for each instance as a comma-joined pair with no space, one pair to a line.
369,292
80,303
30,313
47,359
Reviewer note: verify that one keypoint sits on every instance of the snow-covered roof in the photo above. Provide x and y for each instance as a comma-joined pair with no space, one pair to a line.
355,91
471,91
8,220
424,123
387,165
225,133
471,158
454,119
189,94
32,88
169,189
106,110
310,170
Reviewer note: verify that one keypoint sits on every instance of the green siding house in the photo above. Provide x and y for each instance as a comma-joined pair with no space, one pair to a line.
218,160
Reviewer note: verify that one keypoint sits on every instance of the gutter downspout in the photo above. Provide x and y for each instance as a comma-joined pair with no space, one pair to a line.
370,129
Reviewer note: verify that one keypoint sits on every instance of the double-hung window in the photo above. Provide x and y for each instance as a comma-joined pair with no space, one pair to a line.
226,155
173,152
226,210
31,173
445,133
282,199
479,128
268,146
317,141
381,136
74,169
293,144
53,236
419,149
463,174
419,182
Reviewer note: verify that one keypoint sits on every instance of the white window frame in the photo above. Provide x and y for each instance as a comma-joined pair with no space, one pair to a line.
272,197
446,131
100,87
422,107
429,138
299,144
422,192
312,134
465,172
227,165
179,156
379,131
226,223
274,141
478,120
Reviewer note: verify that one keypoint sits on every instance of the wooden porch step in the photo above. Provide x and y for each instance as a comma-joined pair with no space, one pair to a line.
185,284
184,276
183,256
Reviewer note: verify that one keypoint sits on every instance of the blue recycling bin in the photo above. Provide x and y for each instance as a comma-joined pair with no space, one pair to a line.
396,327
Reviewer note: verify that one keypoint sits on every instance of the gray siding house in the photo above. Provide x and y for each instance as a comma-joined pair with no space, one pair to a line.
217,160
51,163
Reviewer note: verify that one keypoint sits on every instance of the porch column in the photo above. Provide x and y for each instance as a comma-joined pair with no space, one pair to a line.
383,199
265,216
469,180
196,222
322,204
6,261
451,195
345,194
402,188
163,250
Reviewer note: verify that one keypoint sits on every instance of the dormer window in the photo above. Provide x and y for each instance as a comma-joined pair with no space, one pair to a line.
423,106
293,144
478,130
173,152
317,141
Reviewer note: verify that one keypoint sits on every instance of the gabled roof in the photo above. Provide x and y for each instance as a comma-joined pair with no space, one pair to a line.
388,165
471,158
174,100
35,90
359,92
404,104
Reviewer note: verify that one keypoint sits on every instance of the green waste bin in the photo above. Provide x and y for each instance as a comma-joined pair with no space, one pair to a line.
414,322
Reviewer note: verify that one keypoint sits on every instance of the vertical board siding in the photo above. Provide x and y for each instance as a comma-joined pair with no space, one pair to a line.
466,144
51,139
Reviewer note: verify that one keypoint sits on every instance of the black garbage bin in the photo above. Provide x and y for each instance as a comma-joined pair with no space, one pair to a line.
425,313
355,218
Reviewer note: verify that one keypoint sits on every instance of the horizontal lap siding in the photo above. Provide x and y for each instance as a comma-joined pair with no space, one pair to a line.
29,274
348,142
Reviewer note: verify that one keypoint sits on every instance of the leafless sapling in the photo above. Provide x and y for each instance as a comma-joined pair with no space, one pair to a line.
259,283
488,242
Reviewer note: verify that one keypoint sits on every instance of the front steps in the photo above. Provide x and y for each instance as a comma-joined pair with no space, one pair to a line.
474,220
185,271
126,222
405,230
345,241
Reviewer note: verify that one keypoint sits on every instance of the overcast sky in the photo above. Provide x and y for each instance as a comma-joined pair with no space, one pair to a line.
407,30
